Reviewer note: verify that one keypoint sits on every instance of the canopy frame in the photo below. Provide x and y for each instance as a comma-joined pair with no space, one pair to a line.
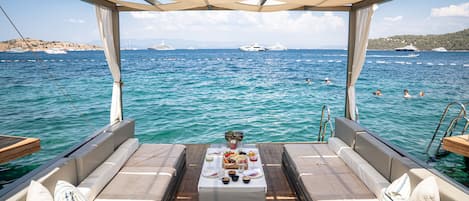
356,46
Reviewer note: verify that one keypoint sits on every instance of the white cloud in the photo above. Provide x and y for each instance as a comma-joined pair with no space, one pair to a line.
461,10
393,19
75,21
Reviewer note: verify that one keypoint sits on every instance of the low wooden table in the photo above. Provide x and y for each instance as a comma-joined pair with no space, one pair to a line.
13,147
459,145
212,188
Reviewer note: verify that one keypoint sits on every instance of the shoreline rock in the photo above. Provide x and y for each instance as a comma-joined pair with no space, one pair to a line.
42,45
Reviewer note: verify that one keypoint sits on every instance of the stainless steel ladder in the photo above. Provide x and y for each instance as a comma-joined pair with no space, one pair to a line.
449,130
323,124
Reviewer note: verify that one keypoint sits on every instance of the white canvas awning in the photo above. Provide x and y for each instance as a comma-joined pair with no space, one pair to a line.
360,14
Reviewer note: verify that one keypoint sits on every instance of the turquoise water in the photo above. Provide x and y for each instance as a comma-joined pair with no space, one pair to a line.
194,96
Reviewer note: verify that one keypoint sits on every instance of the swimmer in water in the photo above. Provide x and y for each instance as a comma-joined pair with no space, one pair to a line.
327,81
377,93
406,94
308,80
422,93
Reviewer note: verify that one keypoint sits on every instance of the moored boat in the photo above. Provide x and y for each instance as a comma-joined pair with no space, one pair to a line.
55,51
407,48
277,47
162,47
252,48
439,49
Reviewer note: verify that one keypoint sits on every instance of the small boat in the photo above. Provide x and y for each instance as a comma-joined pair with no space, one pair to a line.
413,55
252,48
162,47
55,51
16,50
408,48
439,49
277,47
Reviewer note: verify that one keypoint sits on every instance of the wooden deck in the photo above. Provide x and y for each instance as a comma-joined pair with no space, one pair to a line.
457,144
13,147
271,155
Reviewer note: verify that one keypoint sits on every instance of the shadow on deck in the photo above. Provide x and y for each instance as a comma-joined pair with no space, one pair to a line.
271,154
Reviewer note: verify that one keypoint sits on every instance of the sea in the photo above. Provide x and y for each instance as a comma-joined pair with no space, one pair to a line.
195,96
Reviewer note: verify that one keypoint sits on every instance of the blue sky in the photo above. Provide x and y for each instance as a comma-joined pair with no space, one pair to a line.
75,21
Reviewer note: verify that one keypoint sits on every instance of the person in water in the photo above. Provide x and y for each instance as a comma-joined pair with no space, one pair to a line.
377,93
422,93
406,94
308,80
327,81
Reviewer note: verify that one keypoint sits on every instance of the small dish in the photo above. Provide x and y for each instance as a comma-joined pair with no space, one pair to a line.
225,180
235,178
246,179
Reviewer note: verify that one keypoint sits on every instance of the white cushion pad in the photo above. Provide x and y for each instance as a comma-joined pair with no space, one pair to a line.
97,180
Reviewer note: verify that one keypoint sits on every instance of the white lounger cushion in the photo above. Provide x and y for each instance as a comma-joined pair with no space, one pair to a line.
367,174
97,180
36,191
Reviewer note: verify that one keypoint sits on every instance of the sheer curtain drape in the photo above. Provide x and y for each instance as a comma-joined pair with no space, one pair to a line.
363,17
105,26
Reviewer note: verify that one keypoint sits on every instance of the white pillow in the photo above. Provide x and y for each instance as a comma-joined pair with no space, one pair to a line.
65,191
426,190
36,191
399,189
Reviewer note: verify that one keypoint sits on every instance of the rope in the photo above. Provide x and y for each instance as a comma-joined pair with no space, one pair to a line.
49,74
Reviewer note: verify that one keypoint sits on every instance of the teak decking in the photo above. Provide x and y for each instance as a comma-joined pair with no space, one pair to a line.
271,154
12,147
457,144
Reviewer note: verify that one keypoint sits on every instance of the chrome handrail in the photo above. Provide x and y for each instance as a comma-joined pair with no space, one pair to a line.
462,114
323,125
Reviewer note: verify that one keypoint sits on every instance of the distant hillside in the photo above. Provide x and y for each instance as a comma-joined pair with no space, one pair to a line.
41,45
451,41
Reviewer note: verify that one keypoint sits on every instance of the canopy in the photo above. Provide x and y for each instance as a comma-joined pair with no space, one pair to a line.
246,5
360,15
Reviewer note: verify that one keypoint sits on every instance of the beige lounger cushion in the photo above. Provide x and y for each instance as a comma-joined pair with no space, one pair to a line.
131,184
157,155
323,174
147,174
367,174
97,180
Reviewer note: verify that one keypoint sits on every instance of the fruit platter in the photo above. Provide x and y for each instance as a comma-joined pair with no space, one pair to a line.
235,159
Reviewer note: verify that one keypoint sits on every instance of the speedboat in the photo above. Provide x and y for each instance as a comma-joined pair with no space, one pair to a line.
55,51
407,48
162,47
252,48
351,163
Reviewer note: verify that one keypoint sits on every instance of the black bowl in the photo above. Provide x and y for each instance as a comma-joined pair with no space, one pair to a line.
246,179
225,180
235,178
231,173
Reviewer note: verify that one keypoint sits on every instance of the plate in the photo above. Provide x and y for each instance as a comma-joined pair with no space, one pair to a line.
210,173
254,173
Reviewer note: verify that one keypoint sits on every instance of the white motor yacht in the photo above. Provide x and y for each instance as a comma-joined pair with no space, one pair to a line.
407,48
439,49
162,47
252,48
55,51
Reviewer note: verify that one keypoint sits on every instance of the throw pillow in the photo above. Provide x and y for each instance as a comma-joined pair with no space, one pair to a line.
65,191
398,190
426,190
36,192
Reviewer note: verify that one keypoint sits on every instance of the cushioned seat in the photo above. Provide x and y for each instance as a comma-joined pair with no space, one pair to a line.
144,186
322,175
151,171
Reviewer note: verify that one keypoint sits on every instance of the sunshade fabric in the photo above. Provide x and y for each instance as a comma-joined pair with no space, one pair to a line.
247,5
363,17
105,26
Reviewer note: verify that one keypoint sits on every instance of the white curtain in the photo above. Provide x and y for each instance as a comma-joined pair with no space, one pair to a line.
362,29
105,26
